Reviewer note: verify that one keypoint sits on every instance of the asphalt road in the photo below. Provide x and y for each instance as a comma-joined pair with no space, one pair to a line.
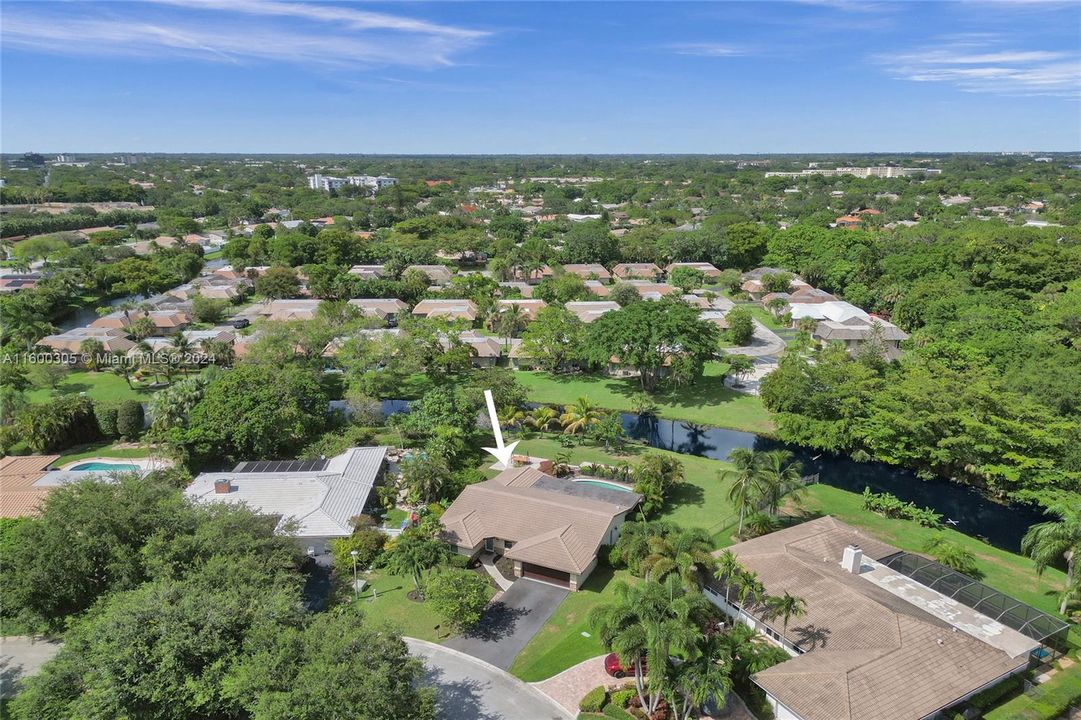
22,656
470,689
508,624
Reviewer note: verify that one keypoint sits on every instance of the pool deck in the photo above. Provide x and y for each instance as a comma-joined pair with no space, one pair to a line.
65,473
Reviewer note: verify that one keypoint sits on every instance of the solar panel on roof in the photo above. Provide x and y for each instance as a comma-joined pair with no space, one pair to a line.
281,466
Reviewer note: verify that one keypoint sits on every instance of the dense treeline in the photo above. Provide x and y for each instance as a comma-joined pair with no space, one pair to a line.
17,225
988,391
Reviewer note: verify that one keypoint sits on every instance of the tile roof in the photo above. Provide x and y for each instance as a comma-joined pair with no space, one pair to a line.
553,522
866,649
19,497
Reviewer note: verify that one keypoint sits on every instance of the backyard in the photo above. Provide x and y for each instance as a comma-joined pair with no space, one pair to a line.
97,386
708,403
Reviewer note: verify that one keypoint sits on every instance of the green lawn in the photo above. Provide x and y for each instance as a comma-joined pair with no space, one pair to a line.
709,402
560,644
103,449
97,386
384,598
1048,701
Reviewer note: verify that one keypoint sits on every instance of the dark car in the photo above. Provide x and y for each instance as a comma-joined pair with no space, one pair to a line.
240,323
616,669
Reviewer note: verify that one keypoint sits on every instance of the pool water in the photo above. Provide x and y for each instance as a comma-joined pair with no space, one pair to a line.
603,484
105,467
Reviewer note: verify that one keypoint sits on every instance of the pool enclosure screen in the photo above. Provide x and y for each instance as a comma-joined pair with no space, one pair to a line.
1038,625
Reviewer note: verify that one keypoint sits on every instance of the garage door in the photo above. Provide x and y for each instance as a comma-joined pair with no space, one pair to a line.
539,572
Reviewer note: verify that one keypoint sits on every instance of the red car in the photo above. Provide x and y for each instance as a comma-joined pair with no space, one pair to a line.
615,668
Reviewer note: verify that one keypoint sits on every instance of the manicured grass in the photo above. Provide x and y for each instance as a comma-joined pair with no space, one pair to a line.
709,402
1047,702
1002,570
384,598
560,643
700,501
103,449
97,386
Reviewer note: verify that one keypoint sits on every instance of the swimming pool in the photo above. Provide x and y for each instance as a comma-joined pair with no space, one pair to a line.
104,467
605,484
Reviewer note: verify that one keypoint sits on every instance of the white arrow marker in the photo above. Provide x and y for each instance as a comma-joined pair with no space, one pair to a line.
502,454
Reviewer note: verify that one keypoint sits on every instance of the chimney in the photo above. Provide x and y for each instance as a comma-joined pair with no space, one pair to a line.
852,559
223,486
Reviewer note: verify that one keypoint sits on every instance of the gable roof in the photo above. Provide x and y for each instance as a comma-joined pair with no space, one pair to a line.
553,522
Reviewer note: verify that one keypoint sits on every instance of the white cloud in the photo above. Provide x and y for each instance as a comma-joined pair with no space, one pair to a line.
972,64
317,35
706,49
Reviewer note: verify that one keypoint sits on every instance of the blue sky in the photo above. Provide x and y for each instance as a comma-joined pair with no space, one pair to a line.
285,76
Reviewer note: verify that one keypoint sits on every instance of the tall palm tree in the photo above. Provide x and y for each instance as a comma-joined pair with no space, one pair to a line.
1048,541
686,553
728,569
180,346
785,606
706,676
652,620
510,320
780,475
751,590
746,490
580,416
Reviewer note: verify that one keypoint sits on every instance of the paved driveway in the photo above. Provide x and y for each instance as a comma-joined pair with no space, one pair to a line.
20,657
469,689
510,622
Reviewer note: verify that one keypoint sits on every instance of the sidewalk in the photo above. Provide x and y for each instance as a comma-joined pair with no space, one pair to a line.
488,563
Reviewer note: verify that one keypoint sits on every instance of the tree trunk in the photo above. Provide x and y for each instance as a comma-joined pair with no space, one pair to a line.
1069,582
638,684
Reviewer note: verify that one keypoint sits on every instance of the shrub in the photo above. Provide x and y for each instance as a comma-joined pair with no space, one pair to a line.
208,310
616,712
129,419
996,693
459,596
105,415
368,542
740,326
594,700
890,506
620,698
60,423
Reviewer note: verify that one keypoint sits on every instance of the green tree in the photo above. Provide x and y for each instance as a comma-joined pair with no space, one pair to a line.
786,607
746,490
579,416
952,555
740,330
459,596
278,282
687,278
553,340
129,419
1046,542
414,552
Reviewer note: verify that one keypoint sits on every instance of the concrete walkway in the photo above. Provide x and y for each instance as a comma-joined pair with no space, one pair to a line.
751,382
471,689
22,656
488,563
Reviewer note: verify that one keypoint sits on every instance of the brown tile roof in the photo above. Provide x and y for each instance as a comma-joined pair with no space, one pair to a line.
18,473
625,270
450,309
552,522
587,270
708,269
866,650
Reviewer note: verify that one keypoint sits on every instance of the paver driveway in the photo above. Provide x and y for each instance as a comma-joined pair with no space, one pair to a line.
510,622
470,689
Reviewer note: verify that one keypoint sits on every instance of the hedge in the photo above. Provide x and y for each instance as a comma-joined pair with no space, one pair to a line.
129,419
594,700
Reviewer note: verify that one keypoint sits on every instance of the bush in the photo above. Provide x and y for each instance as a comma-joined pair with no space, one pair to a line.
594,700
996,693
368,542
890,506
65,421
208,310
105,414
129,419
459,596
620,698
616,712
740,326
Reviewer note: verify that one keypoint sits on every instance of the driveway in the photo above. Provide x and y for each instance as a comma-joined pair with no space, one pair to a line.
764,342
22,656
469,689
509,623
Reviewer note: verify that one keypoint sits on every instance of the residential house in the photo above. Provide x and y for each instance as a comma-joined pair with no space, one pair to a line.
589,310
20,494
645,271
286,309
437,274
16,282
447,309
486,349
166,322
212,286
315,500
588,271
368,272
596,287
336,344
651,290
857,332
884,633
849,222
146,247
529,308
552,528
70,341
386,309
707,269
524,289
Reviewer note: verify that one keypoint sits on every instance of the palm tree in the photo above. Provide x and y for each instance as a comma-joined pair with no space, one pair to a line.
707,676
686,553
412,554
219,352
93,351
1048,541
728,569
579,416
543,418
746,490
785,606
652,620
780,475
751,590
511,319
181,349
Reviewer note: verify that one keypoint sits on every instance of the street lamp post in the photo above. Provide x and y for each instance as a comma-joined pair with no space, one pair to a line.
354,554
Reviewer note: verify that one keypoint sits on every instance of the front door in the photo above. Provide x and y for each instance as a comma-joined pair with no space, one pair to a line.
489,545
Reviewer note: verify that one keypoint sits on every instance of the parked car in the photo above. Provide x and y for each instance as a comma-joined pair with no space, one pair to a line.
241,323
616,669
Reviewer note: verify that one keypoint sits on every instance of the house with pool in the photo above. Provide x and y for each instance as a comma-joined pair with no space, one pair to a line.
552,528
26,480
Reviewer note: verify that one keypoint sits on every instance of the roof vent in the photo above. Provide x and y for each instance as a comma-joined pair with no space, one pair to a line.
223,486
852,559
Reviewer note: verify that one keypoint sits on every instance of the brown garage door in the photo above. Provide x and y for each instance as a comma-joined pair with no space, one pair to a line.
539,572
